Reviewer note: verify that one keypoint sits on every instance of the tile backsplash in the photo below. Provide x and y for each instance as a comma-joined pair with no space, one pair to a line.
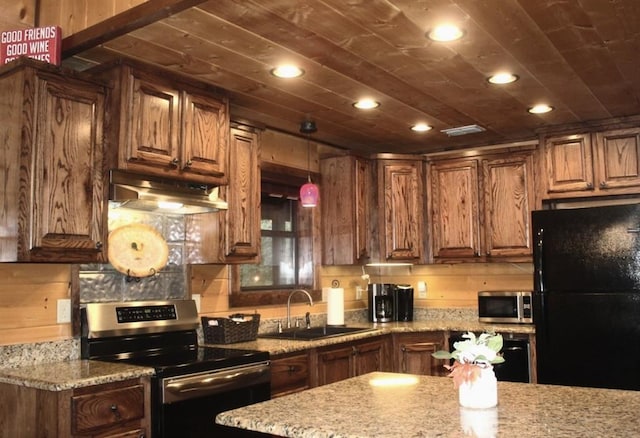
102,283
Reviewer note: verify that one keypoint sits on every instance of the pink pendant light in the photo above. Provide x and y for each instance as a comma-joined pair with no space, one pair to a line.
309,193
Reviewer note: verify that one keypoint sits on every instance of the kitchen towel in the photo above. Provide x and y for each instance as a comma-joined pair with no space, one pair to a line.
335,305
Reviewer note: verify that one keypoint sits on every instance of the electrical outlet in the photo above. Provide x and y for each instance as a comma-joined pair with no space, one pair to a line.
64,311
196,298
422,289
358,293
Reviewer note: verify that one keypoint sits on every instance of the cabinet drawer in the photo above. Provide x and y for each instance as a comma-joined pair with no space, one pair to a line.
107,408
289,374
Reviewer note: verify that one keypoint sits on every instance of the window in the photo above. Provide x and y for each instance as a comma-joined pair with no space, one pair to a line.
287,245
278,268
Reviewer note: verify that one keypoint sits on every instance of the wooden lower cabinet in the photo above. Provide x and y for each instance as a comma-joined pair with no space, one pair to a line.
118,409
289,374
413,351
352,359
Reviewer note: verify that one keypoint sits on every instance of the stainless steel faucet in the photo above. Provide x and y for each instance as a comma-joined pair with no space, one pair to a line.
293,292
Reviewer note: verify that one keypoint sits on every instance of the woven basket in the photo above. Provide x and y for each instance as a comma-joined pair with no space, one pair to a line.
227,331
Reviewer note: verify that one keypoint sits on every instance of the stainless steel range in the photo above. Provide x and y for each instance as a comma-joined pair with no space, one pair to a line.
192,383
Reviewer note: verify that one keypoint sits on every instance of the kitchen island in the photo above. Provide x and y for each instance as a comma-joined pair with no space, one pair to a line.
390,405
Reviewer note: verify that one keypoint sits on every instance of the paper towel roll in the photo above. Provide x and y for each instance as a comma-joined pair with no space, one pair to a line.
335,306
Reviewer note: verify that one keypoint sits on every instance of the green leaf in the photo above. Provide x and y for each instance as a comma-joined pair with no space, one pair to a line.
441,354
495,343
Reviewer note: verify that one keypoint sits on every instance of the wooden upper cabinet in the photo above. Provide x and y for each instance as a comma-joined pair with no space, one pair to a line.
346,182
243,217
162,125
401,196
480,208
54,130
455,217
618,159
569,164
205,136
593,164
508,201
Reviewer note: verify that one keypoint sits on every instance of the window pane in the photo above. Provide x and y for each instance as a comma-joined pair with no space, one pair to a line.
279,267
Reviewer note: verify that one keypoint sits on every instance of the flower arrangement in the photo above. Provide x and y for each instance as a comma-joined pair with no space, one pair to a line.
471,356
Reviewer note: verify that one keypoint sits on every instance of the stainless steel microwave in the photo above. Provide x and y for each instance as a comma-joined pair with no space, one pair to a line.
513,307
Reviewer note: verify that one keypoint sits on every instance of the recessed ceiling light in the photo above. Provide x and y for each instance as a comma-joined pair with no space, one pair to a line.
503,78
540,109
445,32
421,127
287,71
366,104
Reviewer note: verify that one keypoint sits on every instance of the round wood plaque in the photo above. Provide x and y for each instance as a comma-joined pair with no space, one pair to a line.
137,250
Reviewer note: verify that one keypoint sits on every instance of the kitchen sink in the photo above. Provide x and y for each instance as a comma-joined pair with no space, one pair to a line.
310,334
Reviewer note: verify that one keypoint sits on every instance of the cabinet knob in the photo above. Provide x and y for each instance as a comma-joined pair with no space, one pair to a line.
292,369
589,185
99,245
603,185
114,409
188,164
175,162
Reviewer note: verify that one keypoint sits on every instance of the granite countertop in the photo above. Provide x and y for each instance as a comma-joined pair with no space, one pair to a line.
426,406
283,346
60,376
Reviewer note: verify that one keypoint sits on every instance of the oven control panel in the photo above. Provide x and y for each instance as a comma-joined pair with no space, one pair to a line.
145,313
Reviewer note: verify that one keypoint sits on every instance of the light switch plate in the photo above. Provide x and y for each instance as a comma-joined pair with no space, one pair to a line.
422,289
64,311
358,293
196,298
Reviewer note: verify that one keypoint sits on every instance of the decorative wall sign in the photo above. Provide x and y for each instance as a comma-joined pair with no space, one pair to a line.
42,43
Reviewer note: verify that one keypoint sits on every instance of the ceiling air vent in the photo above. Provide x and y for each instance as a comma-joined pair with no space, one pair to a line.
463,130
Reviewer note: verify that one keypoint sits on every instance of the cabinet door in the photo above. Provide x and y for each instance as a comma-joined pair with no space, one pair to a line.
401,194
508,198
345,219
455,219
618,159
413,353
370,357
243,197
64,216
335,364
289,374
415,358
153,134
569,163
205,134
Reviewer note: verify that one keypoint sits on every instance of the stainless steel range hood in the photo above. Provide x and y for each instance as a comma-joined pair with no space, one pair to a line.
151,193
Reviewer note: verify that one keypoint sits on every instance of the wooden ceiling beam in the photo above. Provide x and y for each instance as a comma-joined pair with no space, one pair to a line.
123,23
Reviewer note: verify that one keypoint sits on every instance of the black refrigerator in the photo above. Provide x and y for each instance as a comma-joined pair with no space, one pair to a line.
587,296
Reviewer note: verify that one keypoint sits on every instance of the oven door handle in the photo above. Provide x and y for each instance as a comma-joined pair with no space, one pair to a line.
192,386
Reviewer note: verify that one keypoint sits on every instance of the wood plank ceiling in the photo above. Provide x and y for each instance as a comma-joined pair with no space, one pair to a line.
580,56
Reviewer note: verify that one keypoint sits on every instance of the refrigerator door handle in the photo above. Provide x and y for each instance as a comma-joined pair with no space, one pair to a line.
633,230
538,253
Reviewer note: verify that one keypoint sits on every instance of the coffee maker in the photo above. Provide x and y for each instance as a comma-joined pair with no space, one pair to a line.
403,302
381,302
390,302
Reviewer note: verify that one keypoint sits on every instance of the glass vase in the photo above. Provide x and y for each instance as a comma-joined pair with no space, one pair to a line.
481,393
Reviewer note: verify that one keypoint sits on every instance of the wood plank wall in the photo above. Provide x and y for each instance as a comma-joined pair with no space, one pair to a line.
28,302
454,285
17,14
